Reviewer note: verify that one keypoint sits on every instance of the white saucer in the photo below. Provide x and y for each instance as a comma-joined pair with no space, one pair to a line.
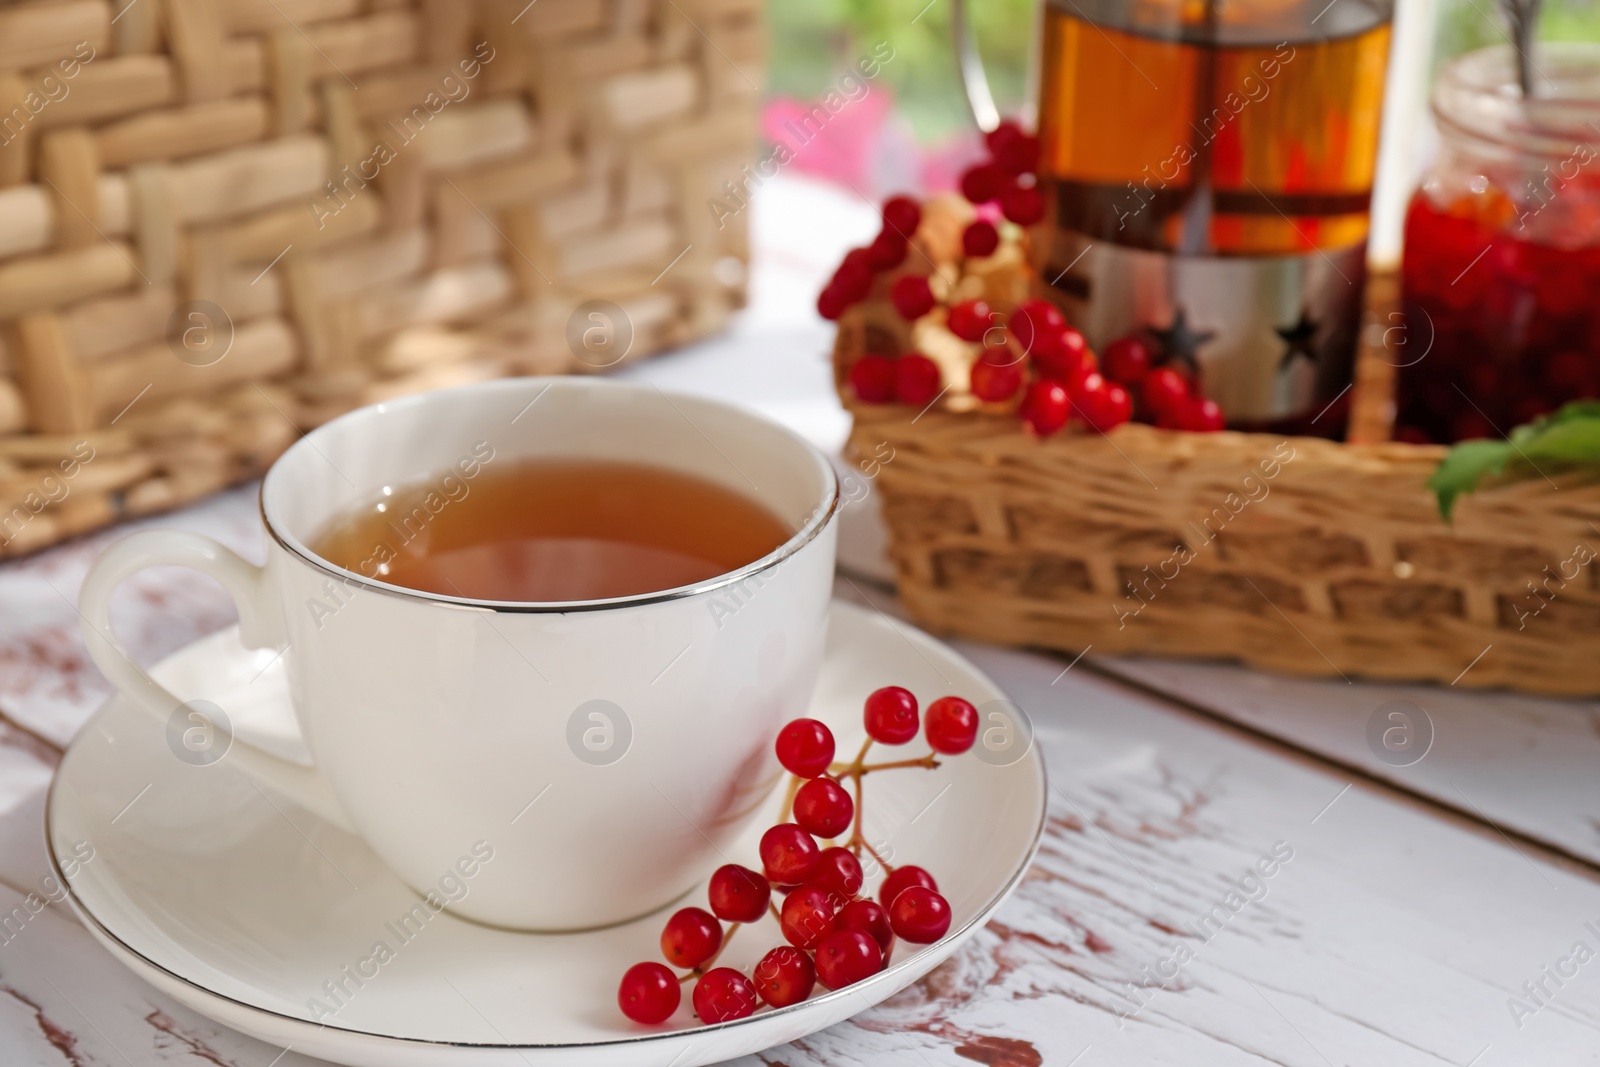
242,907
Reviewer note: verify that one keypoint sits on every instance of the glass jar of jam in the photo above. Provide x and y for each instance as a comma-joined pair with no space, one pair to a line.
1501,272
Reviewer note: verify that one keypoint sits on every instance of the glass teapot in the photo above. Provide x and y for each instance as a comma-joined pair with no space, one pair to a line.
1208,169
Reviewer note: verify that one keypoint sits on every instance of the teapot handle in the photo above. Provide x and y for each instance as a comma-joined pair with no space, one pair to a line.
980,101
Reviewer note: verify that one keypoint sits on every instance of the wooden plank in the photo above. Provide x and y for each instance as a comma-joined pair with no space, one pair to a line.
69,168
13,408
361,265
111,87
244,180
178,133
267,234
729,130
54,385
261,349
37,35
244,65
444,296
195,32
288,59
598,57
1522,761
97,328
155,227
492,186
459,137
135,27
634,243
27,216
643,98
447,28
562,18
353,46
32,283
261,16
16,130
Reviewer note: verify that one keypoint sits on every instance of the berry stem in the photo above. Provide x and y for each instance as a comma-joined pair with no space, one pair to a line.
856,838
929,761
787,811
700,971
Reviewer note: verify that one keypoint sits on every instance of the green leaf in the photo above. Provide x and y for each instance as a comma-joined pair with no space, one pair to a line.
1572,441
1577,409
1562,440
1463,467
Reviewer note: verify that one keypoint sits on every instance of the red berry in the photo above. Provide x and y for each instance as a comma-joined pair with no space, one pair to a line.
951,725
805,747
996,376
970,320
838,871
919,915
1020,155
1046,407
738,894
887,250
1015,151
691,937
912,296
857,259
1103,405
788,854
1119,403
872,378
785,976
891,715
1084,391
1002,135
1022,204
831,304
1063,356
807,915
723,994
916,380
868,917
845,957
648,993
980,238
1127,359
1034,318
1163,390
853,281
901,879
1200,415
901,215
822,808
984,183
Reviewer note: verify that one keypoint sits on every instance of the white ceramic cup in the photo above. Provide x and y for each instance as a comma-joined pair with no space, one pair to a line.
601,753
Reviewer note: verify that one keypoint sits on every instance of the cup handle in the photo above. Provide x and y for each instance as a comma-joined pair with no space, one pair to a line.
260,626
980,101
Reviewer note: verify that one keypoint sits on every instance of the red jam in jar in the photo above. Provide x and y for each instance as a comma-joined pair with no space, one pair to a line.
1501,275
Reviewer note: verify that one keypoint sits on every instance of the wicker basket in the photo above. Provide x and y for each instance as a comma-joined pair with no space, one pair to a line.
1297,555
210,171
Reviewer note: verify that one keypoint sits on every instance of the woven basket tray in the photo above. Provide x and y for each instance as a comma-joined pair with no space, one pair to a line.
159,153
1292,554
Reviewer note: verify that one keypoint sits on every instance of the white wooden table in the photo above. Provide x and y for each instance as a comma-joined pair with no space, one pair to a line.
1398,931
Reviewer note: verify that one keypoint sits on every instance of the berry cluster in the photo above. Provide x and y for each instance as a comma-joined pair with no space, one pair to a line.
836,934
1515,336
1025,357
